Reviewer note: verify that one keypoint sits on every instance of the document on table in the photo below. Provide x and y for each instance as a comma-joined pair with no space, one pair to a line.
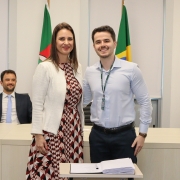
78,168
117,166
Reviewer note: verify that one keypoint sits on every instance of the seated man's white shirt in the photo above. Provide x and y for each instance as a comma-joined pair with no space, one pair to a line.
14,117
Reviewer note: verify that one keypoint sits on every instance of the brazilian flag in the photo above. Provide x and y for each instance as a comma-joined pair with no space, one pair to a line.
123,49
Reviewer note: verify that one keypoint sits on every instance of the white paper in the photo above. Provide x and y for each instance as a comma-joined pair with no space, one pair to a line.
85,168
117,166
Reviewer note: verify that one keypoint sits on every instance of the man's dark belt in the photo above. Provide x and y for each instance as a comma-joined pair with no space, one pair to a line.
114,130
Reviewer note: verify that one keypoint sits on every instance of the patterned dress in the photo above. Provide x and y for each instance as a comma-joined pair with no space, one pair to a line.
67,145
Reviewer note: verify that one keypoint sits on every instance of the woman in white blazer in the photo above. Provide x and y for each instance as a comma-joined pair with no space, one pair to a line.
57,120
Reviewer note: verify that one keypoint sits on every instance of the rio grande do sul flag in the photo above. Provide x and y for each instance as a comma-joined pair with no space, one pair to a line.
123,49
45,36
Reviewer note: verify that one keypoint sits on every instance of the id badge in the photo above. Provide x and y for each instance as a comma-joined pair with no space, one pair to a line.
103,102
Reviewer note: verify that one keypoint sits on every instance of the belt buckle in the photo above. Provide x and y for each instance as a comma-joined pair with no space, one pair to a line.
109,131
105,131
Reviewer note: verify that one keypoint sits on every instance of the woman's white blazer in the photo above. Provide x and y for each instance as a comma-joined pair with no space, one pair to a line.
48,96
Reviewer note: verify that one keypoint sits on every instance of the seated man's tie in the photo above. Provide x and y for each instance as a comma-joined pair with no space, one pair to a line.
9,110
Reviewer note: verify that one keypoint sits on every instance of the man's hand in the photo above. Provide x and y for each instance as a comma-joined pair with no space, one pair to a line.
41,144
138,142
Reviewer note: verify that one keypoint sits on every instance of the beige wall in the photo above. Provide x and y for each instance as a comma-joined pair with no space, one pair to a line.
25,24
175,86
24,60
170,115
3,35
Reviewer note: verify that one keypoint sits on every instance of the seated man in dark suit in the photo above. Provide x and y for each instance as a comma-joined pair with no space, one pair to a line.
14,107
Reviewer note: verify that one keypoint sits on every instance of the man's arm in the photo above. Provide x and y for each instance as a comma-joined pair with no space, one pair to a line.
87,94
140,91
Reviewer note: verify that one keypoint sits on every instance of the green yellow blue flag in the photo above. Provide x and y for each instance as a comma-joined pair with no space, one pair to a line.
46,35
123,49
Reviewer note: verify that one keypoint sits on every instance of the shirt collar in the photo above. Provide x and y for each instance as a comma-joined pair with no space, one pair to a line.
5,95
117,63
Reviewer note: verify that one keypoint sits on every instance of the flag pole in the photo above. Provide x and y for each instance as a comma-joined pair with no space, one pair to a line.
122,5
48,1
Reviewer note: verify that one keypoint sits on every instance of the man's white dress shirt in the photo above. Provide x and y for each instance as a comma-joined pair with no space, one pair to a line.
125,82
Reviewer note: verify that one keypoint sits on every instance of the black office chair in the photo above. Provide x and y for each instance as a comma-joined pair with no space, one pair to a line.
87,114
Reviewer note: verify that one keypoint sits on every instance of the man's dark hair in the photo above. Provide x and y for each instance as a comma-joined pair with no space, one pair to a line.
104,29
9,71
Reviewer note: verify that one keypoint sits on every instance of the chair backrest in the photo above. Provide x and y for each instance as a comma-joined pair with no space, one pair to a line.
87,114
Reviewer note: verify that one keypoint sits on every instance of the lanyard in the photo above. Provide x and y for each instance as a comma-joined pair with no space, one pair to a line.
104,87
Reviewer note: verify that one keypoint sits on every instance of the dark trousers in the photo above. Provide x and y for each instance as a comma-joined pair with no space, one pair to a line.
111,146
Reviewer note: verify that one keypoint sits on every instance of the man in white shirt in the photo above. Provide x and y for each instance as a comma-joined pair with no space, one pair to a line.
20,107
111,85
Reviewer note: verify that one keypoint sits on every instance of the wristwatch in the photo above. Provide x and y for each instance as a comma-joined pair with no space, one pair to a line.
143,134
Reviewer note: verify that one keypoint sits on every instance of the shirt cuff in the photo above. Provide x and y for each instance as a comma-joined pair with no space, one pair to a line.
143,128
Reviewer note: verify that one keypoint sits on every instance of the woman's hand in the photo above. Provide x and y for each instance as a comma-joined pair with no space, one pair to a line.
41,144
